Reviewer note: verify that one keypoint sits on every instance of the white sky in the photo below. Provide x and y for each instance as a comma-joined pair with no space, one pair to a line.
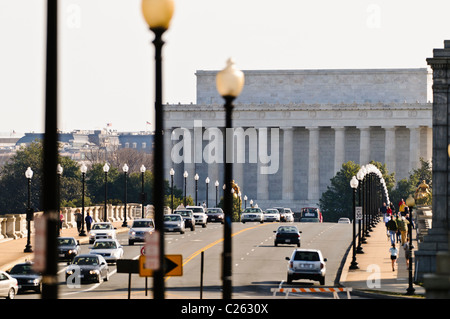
106,56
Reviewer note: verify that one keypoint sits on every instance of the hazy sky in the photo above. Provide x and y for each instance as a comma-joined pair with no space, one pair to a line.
107,58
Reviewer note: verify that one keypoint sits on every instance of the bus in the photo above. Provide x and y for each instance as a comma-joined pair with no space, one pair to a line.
311,215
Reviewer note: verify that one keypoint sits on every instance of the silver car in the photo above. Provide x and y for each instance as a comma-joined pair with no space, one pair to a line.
306,264
110,249
8,286
138,230
174,223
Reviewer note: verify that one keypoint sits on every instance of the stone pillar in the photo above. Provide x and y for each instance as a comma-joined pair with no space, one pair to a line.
436,241
189,167
389,149
288,163
339,148
262,191
414,147
313,173
364,145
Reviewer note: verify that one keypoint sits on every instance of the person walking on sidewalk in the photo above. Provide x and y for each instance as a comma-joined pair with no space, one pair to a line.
407,254
393,251
391,226
403,227
88,221
79,220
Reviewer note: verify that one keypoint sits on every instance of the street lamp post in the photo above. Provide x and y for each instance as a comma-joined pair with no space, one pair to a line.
207,185
125,169
83,170
196,177
158,14
142,169
29,175
217,191
360,177
354,185
410,202
59,171
245,201
185,175
229,83
172,172
106,170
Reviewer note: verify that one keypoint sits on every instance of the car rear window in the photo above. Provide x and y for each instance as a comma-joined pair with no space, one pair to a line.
306,256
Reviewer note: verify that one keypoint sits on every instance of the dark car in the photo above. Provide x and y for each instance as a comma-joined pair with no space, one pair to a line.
27,277
87,268
287,235
188,216
68,248
215,215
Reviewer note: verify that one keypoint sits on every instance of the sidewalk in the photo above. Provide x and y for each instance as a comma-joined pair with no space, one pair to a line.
11,250
375,275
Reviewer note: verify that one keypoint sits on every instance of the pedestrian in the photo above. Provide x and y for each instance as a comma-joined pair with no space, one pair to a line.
61,219
386,220
401,206
383,209
403,227
407,254
398,234
389,210
393,252
392,206
79,220
88,221
392,229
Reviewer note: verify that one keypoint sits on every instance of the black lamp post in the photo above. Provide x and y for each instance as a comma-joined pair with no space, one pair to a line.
59,171
229,83
125,169
196,177
106,170
207,185
83,170
29,175
217,191
410,202
158,14
142,169
354,185
360,177
185,175
172,172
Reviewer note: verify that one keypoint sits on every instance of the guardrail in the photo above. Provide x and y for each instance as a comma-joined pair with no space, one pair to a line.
14,226
334,290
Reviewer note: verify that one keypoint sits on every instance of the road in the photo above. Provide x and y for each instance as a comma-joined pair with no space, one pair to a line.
257,264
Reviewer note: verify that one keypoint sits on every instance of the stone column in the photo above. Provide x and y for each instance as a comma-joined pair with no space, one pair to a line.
313,173
364,145
339,148
389,149
414,147
189,167
262,191
436,241
288,163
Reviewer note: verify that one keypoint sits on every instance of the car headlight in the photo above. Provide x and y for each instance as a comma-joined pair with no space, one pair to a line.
94,272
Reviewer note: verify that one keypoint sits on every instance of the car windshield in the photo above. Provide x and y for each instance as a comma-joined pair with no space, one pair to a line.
142,224
288,229
271,211
104,245
66,241
86,260
184,213
172,218
196,209
22,269
213,211
306,256
102,226
252,210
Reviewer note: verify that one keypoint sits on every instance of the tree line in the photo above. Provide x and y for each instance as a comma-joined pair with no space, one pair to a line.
14,184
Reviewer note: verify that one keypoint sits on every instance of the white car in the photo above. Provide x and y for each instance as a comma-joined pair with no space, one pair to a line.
8,286
344,220
104,230
254,214
271,215
110,249
138,230
174,223
306,264
201,218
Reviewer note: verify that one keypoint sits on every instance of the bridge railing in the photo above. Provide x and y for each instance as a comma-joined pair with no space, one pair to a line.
14,226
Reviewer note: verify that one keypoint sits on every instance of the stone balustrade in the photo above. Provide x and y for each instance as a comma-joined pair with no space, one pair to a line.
14,226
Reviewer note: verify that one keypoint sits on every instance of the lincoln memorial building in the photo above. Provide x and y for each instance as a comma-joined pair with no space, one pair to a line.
293,130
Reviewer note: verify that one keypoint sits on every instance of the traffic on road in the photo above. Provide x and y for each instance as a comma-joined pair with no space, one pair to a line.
260,250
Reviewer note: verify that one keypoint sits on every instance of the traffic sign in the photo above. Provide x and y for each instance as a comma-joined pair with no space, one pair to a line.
358,212
151,250
173,263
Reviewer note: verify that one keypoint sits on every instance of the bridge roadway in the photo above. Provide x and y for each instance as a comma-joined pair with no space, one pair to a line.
258,265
